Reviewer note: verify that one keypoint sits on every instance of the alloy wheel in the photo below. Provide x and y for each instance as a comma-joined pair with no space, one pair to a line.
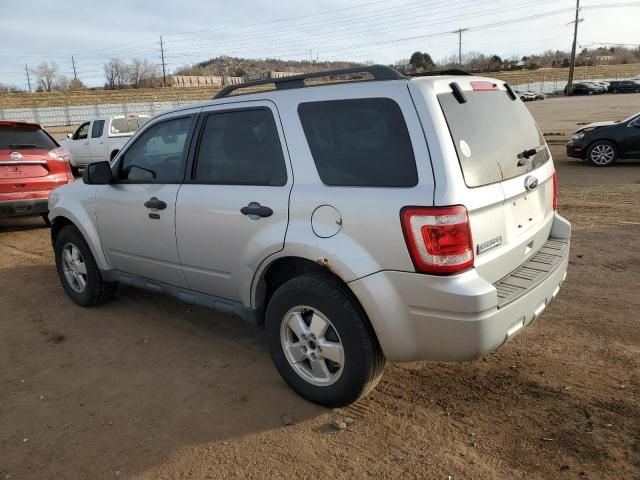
312,346
74,267
602,154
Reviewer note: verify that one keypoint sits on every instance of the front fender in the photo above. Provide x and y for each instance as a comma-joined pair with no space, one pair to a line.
76,203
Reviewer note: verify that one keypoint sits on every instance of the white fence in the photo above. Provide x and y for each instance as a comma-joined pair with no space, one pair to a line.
73,115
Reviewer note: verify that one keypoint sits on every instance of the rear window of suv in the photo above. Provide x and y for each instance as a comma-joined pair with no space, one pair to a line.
490,132
359,142
19,137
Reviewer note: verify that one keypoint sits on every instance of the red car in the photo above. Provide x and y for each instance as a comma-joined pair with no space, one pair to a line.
31,165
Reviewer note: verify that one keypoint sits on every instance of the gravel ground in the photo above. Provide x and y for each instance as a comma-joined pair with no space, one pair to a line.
147,387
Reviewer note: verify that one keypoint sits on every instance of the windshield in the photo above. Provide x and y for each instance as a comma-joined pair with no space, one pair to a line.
495,136
20,137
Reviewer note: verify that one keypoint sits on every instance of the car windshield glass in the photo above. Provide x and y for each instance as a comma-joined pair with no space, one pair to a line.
495,137
15,137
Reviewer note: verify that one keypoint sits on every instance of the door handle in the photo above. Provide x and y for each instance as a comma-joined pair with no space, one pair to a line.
153,202
254,209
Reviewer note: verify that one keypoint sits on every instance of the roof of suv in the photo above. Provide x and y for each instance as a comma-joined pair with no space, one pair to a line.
377,72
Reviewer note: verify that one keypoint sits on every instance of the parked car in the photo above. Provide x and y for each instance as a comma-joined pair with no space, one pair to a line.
602,143
624,86
585,88
403,219
526,96
100,139
32,164
538,95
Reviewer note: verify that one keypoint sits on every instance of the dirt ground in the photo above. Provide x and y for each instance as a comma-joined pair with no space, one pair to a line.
147,387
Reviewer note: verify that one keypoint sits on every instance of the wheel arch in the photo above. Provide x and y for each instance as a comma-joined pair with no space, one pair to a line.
284,268
86,228
113,154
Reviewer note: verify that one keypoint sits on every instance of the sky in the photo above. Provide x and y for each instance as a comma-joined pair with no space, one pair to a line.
381,31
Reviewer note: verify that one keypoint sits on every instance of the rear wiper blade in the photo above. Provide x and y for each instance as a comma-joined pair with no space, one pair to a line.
23,145
528,153
523,157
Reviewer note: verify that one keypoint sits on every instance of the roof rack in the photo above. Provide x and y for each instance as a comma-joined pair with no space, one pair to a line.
452,71
379,72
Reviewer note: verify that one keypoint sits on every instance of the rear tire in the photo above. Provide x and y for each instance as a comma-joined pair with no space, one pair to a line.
78,271
321,341
602,153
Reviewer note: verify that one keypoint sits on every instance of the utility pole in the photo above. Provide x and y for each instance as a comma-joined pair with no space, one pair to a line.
164,72
573,50
459,32
26,69
75,73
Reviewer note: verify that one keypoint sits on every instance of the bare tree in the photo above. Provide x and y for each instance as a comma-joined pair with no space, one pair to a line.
47,74
116,73
141,71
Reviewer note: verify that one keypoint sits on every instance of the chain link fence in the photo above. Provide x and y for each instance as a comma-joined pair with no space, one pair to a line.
73,115
556,86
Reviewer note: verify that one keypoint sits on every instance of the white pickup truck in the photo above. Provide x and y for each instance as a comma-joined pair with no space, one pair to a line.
100,139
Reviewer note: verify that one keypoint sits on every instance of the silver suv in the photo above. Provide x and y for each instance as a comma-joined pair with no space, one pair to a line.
399,218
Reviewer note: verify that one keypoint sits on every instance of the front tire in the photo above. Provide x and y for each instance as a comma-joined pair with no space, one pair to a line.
78,271
321,341
602,153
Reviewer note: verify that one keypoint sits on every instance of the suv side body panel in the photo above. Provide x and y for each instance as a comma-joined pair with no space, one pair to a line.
219,247
370,236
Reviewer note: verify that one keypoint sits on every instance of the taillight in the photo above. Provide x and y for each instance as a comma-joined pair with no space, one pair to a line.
555,191
62,155
438,238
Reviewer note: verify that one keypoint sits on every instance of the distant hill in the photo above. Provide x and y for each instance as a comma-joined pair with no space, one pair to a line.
232,66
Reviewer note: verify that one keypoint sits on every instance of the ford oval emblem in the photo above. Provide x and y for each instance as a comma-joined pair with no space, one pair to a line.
16,155
530,182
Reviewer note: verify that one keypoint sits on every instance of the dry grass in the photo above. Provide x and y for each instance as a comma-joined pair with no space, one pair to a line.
92,97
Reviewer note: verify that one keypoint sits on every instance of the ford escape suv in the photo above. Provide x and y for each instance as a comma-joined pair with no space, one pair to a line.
390,219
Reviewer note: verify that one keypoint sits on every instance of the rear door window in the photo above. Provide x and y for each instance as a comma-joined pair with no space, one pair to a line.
491,132
241,148
359,142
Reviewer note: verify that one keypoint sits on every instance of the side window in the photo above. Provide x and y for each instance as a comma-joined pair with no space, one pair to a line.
82,132
97,129
360,142
157,155
241,148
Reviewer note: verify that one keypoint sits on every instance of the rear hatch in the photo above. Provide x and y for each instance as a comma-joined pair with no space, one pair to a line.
507,172
26,164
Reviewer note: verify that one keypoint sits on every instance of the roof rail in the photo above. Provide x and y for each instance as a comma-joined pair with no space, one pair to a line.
452,71
379,72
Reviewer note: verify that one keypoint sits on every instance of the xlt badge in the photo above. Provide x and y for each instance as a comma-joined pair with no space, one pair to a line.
489,244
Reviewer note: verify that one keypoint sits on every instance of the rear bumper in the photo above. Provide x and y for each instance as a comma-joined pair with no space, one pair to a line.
457,318
16,208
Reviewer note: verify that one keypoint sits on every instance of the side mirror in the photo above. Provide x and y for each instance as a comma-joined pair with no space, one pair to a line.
98,173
